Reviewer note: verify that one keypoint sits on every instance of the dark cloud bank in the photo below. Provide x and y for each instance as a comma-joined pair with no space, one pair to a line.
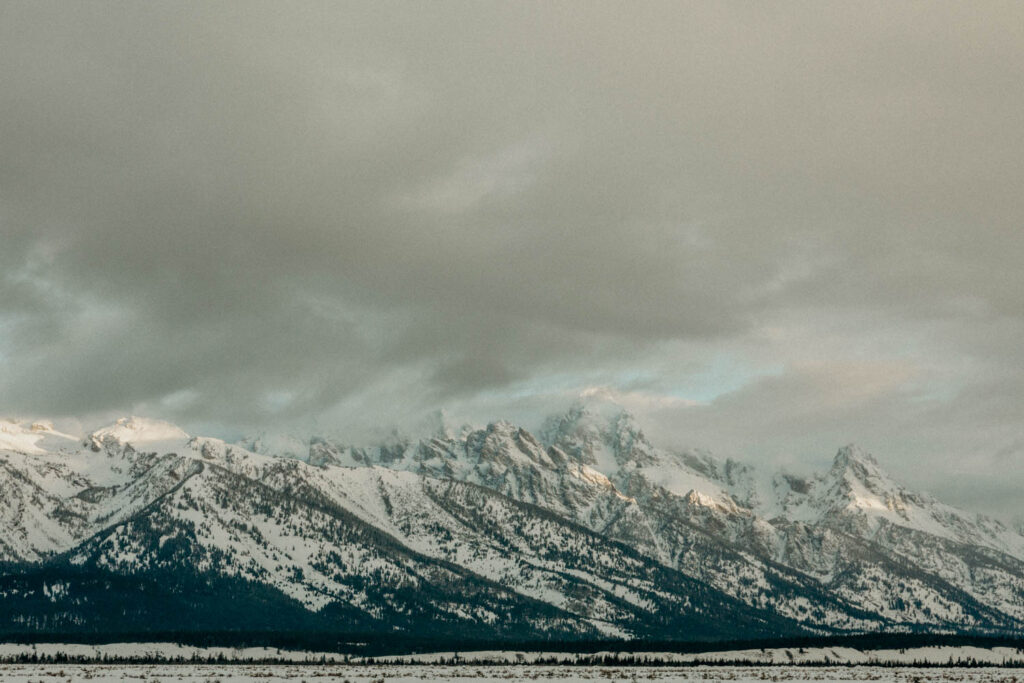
772,229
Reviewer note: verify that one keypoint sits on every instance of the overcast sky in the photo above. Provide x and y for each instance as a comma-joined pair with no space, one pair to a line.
768,228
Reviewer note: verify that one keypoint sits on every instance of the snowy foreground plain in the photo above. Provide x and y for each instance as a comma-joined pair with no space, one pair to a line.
148,653
781,664
268,673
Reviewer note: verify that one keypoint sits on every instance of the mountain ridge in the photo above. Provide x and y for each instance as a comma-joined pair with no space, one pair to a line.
330,527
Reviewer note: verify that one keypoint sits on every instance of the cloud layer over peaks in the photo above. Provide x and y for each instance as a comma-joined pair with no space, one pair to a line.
788,226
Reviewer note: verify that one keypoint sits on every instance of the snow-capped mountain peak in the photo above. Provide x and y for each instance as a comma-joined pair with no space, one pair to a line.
856,476
852,456
139,431
599,432
32,438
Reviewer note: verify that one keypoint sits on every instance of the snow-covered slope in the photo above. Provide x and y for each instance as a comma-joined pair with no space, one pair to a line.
849,548
357,548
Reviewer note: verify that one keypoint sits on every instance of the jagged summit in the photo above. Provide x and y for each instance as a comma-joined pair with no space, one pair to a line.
855,468
599,432
859,477
599,410
852,455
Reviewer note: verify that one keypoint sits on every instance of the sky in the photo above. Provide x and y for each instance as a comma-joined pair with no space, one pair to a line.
768,229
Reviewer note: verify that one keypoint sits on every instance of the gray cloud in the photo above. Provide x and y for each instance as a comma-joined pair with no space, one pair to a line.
807,218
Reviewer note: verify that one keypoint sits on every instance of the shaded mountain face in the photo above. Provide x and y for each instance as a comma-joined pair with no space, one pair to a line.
585,530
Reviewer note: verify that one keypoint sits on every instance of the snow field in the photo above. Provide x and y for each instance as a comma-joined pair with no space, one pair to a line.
209,673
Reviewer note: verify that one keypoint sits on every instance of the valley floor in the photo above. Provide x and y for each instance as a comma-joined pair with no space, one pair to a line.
208,673
166,654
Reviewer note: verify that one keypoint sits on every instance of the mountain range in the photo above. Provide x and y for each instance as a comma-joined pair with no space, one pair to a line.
582,530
